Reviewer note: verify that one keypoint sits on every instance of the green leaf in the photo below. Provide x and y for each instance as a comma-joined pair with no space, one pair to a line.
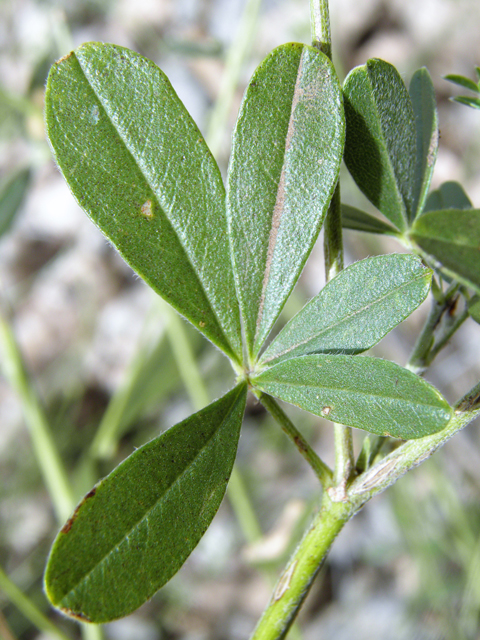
477,69
469,102
356,309
286,154
424,106
137,527
462,81
451,240
474,309
380,145
353,218
359,391
450,195
136,162
12,195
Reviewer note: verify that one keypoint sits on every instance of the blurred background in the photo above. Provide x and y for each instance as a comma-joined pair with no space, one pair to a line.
114,368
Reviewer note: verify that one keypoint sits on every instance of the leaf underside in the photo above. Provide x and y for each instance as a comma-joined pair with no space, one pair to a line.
356,309
138,165
451,239
286,154
359,391
136,528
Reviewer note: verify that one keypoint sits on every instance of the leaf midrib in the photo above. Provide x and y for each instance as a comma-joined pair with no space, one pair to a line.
160,202
344,319
147,513
277,215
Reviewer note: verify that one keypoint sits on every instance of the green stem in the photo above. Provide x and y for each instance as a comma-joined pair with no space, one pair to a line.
29,610
336,510
445,337
320,26
46,453
233,67
299,574
410,454
322,471
370,449
421,355
193,381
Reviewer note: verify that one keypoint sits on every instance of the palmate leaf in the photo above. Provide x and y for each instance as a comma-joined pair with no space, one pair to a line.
286,154
451,241
354,310
137,163
359,391
136,528
381,143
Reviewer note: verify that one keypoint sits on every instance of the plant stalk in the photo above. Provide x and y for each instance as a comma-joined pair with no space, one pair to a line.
426,348
320,26
305,563
321,470
296,580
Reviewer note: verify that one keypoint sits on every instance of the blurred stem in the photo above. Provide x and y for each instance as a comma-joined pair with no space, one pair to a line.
193,381
46,453
27,608
320,26
22,105
321,470
432,338
236,56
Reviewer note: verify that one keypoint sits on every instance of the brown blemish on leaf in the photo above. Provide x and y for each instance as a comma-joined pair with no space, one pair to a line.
147,209
72,614
64,57
201,324
326,411
68,525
